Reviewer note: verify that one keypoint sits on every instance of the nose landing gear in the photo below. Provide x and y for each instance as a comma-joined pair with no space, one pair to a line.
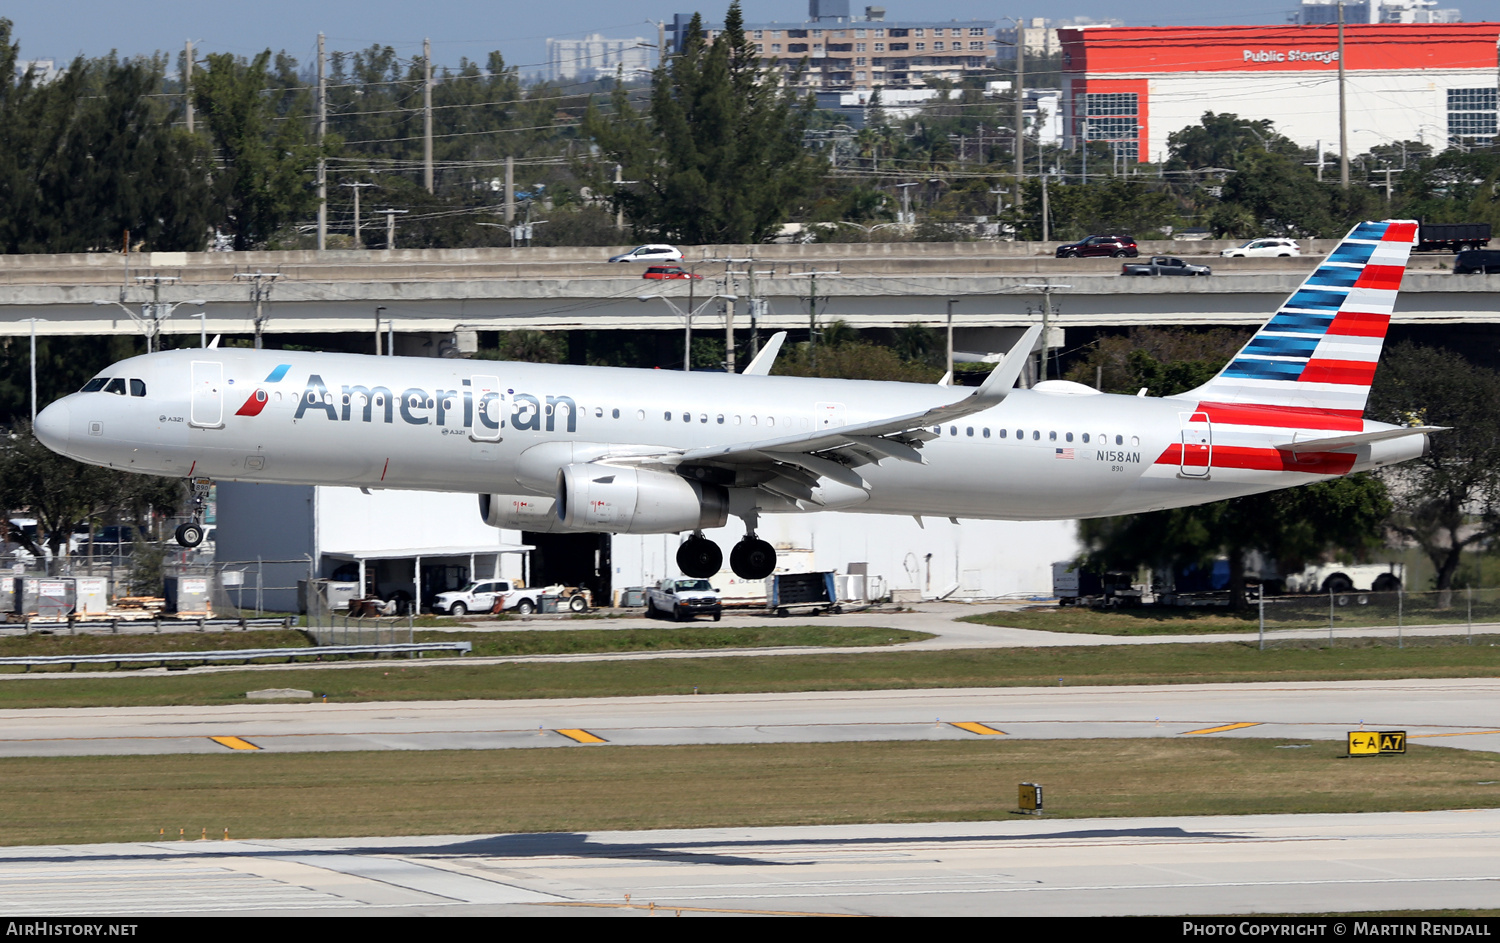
699,557
191,534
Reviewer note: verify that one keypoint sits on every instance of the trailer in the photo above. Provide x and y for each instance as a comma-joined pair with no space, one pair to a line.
1451,237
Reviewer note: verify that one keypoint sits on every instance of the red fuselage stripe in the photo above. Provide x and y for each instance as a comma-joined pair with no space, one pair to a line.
1239,456
1283,417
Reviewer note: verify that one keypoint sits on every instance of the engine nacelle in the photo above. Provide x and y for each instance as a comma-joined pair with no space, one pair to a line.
622,500
521,512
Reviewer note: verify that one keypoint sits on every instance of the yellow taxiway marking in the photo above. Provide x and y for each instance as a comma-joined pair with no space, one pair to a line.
582,736
1223,728
234,743
1461,733
972,727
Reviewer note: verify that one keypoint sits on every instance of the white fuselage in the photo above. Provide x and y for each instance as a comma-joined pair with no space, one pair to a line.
465,425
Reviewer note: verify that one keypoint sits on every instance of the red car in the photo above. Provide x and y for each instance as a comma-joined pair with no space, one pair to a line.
1121,247
668,271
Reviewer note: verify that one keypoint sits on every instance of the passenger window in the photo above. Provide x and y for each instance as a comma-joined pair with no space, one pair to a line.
953,430
599,412
703,417
1052,436
1119,440
1085,438
617,414
1004,433
667,416
687,417
770,420
971,431
721,419
986,432
137,387
1069,437
1135,440
1036,434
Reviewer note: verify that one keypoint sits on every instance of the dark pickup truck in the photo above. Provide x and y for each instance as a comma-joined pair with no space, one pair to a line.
1164,265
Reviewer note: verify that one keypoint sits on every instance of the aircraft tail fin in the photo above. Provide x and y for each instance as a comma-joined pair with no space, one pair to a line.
1319,351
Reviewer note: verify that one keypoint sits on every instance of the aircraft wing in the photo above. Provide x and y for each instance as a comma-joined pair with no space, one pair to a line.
792,466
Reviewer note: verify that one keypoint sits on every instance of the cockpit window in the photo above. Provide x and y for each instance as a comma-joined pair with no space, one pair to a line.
137,387
94,385
116,386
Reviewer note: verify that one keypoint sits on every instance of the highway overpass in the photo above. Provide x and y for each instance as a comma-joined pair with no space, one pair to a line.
430,293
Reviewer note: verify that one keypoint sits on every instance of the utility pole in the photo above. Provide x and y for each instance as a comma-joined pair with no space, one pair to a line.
426,115
1343,114
754,305
1020,104
812,313
322,155
951,303
1046,231
187,84
1046,290
260,294
390,226
510,191
359,242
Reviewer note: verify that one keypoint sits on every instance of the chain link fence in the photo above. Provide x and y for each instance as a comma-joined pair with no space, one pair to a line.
1335,617
331,625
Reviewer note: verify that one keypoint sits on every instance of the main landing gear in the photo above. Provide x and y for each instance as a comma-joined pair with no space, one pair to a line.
751,558
191,534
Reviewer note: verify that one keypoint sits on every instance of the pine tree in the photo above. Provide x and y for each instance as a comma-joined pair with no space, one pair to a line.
718,154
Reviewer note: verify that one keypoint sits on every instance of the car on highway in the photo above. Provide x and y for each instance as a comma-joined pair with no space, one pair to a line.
1164,265
1120,247
655,252
1264,248
683,598
668,271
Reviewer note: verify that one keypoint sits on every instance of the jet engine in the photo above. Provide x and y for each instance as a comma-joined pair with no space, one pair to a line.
624,500
520,512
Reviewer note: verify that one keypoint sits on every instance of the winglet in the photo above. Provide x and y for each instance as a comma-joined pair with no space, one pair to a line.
1003,378
761,365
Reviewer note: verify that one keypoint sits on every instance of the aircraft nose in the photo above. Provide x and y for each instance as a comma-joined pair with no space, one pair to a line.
52,426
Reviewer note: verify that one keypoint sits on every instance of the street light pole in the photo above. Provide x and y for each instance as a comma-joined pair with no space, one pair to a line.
33,368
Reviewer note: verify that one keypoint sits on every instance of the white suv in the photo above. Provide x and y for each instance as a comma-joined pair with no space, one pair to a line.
651,253
1262,248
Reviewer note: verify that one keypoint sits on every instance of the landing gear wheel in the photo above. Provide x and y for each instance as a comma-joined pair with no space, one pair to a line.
699,557
189,535
752,559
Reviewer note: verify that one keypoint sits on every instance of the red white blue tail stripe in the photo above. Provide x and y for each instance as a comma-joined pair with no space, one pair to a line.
1318,354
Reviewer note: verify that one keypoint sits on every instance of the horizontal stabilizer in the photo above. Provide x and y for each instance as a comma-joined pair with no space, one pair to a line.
1340,443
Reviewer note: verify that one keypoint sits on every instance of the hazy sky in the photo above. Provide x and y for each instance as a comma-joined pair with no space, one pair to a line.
61,29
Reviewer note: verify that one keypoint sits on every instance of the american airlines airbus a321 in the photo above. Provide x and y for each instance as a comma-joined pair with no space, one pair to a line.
593,449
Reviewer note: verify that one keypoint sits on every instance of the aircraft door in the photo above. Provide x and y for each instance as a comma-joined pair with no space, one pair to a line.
1197,445
206,410
489,409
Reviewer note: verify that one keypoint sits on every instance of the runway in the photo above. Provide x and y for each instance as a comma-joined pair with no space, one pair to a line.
1203,865
1460,713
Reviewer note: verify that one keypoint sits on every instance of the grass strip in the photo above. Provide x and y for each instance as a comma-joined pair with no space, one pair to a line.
1349,610
132,798
504,643
405,680
687,638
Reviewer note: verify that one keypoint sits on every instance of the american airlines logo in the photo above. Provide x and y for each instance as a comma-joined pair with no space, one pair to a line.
420,407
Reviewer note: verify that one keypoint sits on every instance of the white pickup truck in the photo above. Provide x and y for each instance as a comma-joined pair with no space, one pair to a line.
683,598
480,596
